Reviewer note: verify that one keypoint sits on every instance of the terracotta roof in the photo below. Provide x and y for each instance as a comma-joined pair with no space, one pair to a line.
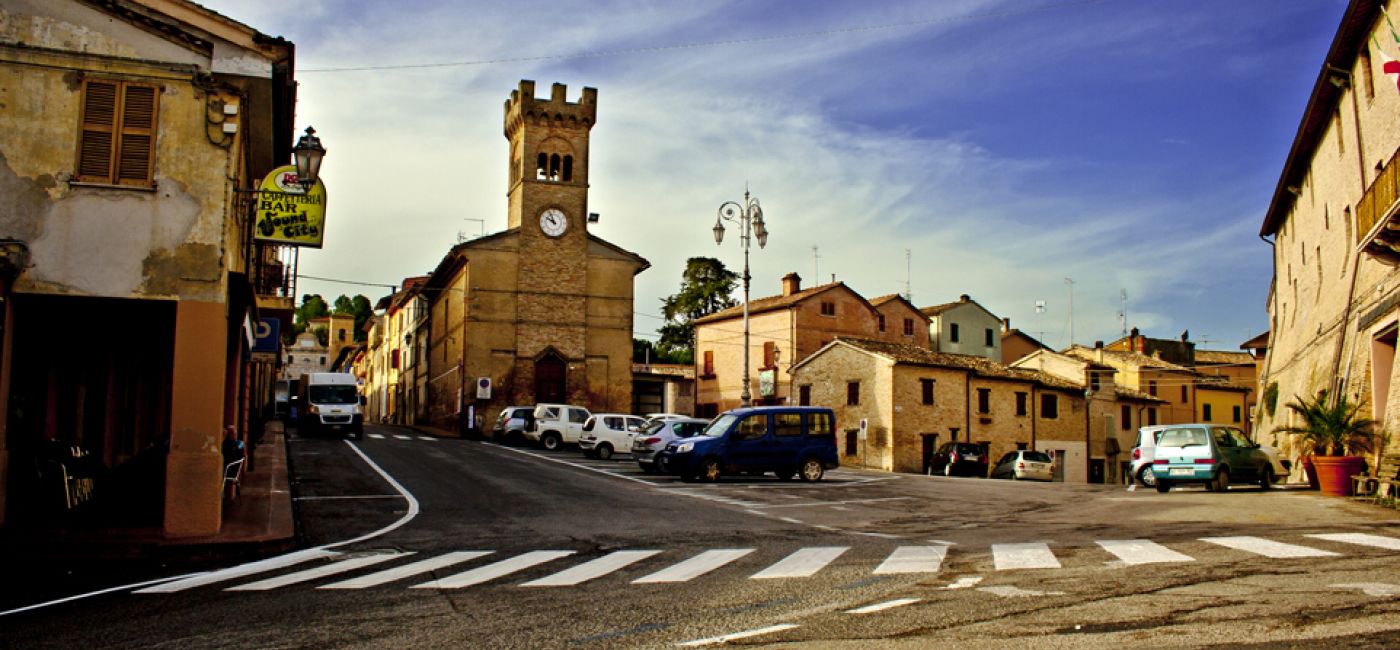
1136,394
1220,357
980,366
1260,342
1137,358
771,303
938,309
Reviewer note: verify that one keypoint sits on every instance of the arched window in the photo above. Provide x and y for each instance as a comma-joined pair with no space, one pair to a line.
568,168
554,167
542,167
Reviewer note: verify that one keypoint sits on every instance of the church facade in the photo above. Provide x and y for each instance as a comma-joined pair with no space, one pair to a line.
540,312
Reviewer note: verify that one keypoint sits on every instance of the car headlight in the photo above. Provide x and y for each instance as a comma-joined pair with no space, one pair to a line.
685,447
315,410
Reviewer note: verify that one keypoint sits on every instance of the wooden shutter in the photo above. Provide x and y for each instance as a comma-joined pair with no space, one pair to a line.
96,142
118,133
138,135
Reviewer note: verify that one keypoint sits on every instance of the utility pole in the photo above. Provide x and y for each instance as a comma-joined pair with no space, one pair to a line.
816,266
1123,309
1040,318
1070,283
908,275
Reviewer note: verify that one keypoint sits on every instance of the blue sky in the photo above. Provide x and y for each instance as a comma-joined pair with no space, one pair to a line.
1131,145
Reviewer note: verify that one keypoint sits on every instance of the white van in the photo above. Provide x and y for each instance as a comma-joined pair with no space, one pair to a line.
330,403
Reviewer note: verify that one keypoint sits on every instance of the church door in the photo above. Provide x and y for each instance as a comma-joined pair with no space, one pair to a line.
549,379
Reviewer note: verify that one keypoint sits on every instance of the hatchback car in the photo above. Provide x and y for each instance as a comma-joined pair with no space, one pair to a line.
512,424
959,459
604,433
1211,455
785,440
1144,452
1025,465
659,432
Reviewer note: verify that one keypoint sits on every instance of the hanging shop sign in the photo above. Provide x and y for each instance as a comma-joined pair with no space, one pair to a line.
288,214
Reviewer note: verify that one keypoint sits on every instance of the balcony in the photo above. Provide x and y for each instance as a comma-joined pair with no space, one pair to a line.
1377,221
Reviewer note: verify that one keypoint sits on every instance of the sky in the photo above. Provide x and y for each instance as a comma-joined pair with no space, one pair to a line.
1088,155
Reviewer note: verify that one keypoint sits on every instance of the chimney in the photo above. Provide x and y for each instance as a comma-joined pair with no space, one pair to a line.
1005,325
964,298
792,283
1098,352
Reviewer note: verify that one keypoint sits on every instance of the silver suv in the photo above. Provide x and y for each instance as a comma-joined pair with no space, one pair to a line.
512,424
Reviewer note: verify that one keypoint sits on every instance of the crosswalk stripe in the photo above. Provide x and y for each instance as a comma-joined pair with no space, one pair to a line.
1267,548
492,571
1363,539
412,569
802,563
376,436
400,436
1031,555
242,570
593,569
714,640
696,566
1141,551
913,559
880,607
334,568
428,438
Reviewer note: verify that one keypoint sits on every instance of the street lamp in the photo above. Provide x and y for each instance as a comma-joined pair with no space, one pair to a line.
750,219
308,152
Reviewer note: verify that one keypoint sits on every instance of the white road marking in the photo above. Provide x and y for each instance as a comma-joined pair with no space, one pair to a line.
1363,539
400,436
835,505
108,590
737,635
349,496
880,607
412,569
790,520
696,566
242,570
1008,591
428,438
965,582
593,569
1373,589
1030,555
334,568
880,535
1268,548
913,559
802,563
376,436
1141,551
492,571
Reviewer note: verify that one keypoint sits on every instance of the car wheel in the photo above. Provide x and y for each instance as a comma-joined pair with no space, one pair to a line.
1146,476
812,470
709,470
603,451
1266,477
784,474
1222,480
551,441
1163,486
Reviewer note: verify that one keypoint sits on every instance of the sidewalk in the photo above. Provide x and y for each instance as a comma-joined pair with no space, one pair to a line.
260,523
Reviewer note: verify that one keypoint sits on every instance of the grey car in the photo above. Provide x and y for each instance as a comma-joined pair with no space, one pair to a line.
659,431
512,424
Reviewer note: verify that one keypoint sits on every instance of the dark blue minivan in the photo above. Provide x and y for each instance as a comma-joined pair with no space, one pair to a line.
785,440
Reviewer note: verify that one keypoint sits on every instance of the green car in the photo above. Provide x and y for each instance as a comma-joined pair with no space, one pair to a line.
1209,454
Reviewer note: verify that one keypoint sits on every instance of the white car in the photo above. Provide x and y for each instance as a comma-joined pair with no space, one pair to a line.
658,432
605,433
1025,465
557,424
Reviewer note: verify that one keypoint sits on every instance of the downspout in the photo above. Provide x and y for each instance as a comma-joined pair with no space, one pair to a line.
1339,384
1031,408
1088,437
967,403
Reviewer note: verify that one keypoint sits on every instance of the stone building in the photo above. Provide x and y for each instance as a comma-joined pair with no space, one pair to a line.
126,130
540,312
914,399
784,329
1334,304
1016,344
964,327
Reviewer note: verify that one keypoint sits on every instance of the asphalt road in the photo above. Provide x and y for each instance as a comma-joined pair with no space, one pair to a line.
415,541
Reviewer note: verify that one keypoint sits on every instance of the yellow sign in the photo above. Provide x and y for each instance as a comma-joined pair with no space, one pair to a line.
288,214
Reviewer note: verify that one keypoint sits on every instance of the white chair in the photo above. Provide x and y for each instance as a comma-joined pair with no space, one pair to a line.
233,478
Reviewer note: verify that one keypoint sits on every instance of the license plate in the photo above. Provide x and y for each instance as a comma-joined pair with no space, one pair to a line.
1183,471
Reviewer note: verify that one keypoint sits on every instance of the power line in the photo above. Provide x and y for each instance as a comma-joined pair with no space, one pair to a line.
706,44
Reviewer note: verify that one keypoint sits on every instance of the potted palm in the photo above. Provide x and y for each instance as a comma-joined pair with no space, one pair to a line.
1334,434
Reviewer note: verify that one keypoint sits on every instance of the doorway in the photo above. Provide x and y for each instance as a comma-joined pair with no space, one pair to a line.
930,444
549,379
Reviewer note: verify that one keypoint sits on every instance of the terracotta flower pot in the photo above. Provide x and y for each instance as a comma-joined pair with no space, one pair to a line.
1310,473
1334,473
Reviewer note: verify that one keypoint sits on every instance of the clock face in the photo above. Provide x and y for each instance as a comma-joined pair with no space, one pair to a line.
553,222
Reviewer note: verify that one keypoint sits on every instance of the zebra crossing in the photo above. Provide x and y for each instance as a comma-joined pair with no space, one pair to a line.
399,436
927,559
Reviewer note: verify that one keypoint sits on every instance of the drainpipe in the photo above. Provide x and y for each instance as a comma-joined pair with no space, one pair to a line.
967,401
1339,384
1088,453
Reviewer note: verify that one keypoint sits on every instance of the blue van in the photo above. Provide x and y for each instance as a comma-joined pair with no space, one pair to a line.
785,440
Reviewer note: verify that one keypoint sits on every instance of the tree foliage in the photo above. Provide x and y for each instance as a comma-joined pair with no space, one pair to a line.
705,289
314,306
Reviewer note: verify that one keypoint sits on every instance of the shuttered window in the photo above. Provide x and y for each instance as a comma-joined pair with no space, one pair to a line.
116,145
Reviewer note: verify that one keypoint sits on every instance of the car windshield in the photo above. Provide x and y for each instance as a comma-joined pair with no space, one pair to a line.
1182,438
333,394
962,448
688,429
653,426
721,424
1035,456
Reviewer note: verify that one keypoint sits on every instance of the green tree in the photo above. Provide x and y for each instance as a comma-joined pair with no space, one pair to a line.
705,289
363,310
312,306
343,306
1331,430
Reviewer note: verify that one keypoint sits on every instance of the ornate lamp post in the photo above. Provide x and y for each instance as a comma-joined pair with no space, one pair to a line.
308,152
749,217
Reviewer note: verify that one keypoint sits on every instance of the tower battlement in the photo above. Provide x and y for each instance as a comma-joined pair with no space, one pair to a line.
523,106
